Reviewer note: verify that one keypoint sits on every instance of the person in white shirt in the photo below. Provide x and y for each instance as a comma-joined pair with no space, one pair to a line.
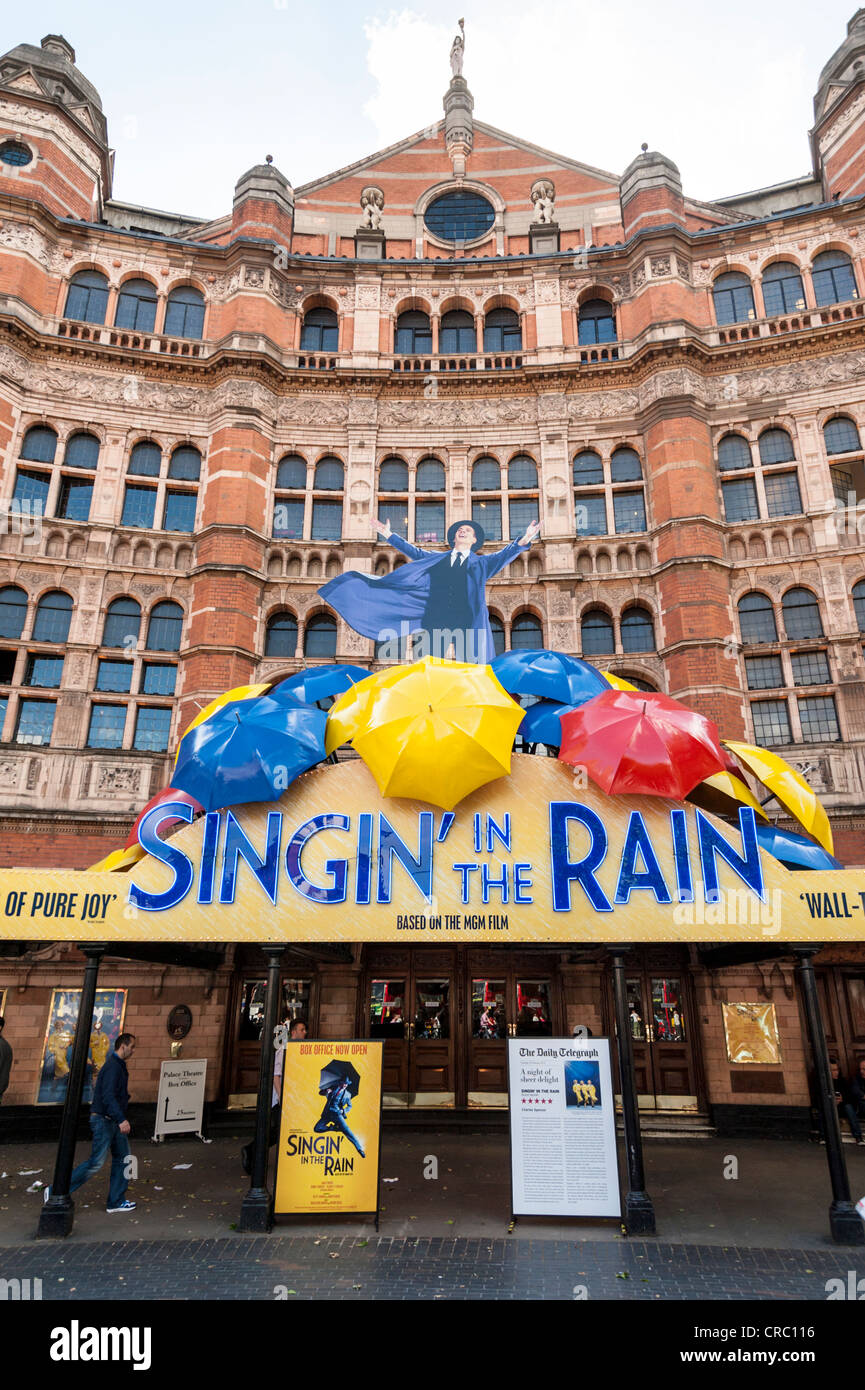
296,1033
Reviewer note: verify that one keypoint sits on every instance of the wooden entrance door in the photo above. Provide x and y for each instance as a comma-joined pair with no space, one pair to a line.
247,1013
842,1003
661,1033
504,1004
411,1010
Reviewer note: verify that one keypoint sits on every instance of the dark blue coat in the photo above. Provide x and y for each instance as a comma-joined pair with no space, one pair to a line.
111,1092
394,604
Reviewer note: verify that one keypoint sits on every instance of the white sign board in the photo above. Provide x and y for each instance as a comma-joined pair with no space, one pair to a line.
180,1103
563,1128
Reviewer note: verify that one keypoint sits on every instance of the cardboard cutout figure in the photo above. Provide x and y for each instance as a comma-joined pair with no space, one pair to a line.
441,597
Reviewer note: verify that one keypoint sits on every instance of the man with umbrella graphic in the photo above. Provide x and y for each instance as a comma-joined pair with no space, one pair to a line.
339,1083
439,596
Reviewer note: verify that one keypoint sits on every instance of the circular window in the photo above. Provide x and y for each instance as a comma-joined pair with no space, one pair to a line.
13,153
459,216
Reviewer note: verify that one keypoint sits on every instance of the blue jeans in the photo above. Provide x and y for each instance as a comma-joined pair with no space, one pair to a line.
106,1135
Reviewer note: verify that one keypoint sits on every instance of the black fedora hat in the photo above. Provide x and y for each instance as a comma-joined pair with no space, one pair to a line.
476,527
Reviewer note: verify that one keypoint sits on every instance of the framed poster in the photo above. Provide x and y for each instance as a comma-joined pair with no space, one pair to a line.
751,1031
2,1002
109,1010
563,1128
328,1157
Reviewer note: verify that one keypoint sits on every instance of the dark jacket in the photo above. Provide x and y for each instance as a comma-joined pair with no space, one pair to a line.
857,1089
5,1064
111,1092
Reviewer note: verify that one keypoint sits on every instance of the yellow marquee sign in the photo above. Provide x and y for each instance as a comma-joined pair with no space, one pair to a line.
528,858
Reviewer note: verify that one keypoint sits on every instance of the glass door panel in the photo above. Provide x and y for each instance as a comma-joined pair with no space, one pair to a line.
534,1016
431,1065
387,1021
668,1024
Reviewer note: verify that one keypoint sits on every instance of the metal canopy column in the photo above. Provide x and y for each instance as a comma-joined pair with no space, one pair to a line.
639,1211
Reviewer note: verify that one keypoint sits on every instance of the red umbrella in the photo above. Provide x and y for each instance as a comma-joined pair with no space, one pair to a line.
167,794
641,742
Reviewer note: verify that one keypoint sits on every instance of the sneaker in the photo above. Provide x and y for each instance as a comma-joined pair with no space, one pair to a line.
124,1206
46,1194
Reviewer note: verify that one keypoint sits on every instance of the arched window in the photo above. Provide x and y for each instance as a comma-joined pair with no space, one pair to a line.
53,617
588,469
522,473
638,631
281,638
329,475
326,513
502,332
858,603
319,638
625,466
776,446
40,444
841,435
82,451
734,452
801,614
486,475
136,306
638,682
457,332
13,611
486,510
757,619
87,298
145,459
320,332
185,464
526,632
782,289
122,623
497,628
596,323
184,313
430,476
165,627
734,298
597,637
413,333
833,279
291,473
393,476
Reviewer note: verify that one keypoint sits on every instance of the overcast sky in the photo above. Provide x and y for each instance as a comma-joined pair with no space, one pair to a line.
197,92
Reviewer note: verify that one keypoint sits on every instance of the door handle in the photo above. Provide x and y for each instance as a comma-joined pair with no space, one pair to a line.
650,1033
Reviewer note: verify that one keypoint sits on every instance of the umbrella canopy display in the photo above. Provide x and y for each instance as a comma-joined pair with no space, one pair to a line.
552,675
250,750
644,743
347,714
723,794
240,692
789,787
618,682
795,851
167,794
436,730
541,723
322,682
336,1072
118,860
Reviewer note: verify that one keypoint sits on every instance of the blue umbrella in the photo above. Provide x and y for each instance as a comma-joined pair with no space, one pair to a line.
541,723
250,750
794,851
322,682
550,674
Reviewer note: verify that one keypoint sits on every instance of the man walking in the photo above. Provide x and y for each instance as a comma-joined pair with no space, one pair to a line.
110,1127
5,1061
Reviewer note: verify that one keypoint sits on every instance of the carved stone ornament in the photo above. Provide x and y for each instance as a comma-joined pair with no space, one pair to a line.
543,196
372,203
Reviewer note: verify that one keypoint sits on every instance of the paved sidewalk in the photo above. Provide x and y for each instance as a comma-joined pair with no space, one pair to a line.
292,1268
779,1200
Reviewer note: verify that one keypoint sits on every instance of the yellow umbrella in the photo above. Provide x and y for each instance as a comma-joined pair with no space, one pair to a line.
723,794
118,859
240,692
618,682
789,787
437,730
348,713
